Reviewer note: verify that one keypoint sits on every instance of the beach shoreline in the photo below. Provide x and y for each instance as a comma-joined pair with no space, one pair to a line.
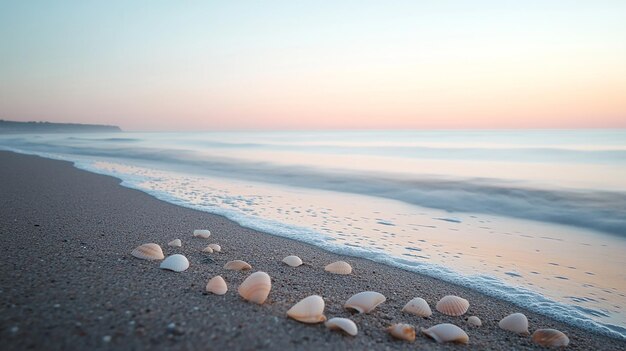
69,281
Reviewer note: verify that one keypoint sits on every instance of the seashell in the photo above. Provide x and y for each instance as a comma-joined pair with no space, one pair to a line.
201,233
452,305
418,307
217,285
446,332
343,324
175,243
339,267
365,302
402,331
176,263
308,310
237,265
208,249
293,261
474,321
516,322
550,338
256,287
148,251
215,247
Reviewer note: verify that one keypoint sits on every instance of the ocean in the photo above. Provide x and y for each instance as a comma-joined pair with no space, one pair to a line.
535,217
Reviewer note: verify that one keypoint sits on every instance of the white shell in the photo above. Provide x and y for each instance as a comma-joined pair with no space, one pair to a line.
550,338
148,251
175,243
447,332
293,261
256,287
339,267
201,233
215,247
452,305
402,331
217,285
176,263
365,302
308,310
237,265
474,321
343,324
418,307
516,322
208,249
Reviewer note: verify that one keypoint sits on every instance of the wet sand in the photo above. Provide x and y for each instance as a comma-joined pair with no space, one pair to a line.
68,281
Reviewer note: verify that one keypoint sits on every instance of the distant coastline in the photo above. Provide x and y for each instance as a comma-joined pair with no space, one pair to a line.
14,127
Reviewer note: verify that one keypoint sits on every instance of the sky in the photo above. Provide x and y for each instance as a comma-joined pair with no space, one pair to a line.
209,65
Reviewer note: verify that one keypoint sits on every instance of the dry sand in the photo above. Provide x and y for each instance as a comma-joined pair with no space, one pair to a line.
68,281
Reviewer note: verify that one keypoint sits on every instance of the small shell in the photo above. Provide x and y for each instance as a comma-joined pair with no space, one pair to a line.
446,332
343,324
339,267
474,321
148,251
215,247
365,302
217,285
237,265
176,263
201,233
452,305
516,322
402,331
308,310
175,243
418,307
550,338
293,261
208,249
256,287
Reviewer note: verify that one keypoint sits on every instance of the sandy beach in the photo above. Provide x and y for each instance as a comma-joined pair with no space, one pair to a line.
68,281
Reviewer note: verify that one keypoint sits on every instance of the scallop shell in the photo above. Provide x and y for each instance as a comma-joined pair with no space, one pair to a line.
148,251
339,267
452,305
176,263
308,310
175,243
516,322
256,287
446,332
550,338
474,321
208,249
402,331
343,324
201,233
418,307
217,285
293,261
365,302
215,247
237,265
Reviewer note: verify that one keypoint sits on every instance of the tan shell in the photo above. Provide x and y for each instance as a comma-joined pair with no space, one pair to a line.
516,322
308,310
343,324
217,285
452,305
402,331
148,251
418,307
215,247
446,332
237,265
208,249
293,261
550,338
176,263
175,243
474,321
202,233
365,302
339,267
256,287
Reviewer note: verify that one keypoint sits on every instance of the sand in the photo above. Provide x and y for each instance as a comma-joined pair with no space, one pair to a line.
68,281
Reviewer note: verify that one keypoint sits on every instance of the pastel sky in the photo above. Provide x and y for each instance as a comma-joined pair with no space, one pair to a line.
201,65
